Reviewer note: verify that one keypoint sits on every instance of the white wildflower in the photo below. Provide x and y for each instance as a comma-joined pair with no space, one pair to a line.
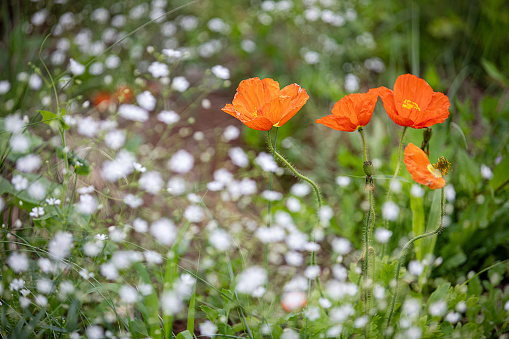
133,112
181,162
158,69
180,84
390,210
221,72
249,280
164,231
60,246
18,262
168,117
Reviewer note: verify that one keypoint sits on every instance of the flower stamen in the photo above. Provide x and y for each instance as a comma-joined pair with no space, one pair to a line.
441,168
410,104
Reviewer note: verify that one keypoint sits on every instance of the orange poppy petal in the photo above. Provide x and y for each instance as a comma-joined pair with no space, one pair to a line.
259,123
417,163
273,110
412,96
387,97
338,123
437,112
299,97
230,109
253,93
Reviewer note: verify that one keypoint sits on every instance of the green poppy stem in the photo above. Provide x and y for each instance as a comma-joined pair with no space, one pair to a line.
300,176
398,165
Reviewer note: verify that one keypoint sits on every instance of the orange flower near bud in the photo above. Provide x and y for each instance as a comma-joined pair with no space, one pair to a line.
260,104
294,301
102,100
351,112
422,170
413,103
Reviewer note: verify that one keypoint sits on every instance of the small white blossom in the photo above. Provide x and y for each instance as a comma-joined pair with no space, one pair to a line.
231,133
221,72
341,245
415,267
220,239
138,167
168,117
146,100
417,191
18,262
208,329
382,235
152,182
180,84
133,112
266,162
128,294
164,231
28,163
76,68
37,212
438,309
486,172
181,162
238,157
390,211
249,280
158,69
60,246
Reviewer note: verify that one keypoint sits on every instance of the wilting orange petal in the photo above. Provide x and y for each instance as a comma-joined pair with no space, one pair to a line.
417,163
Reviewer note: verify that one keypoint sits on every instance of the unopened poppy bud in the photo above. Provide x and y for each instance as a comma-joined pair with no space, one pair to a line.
426,134
368,168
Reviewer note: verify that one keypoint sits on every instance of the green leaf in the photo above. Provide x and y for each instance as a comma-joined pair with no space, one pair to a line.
210,313
138,328
439,294
493,72
185,335
48,117
150,309
500,175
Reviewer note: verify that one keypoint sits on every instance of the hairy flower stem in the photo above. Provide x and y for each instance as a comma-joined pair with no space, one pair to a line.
398,165
402,255
361,132
315,187
300,176
370,221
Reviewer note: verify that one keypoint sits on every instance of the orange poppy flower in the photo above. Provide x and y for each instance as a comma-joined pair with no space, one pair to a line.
351,112
422,170
413,103
260,104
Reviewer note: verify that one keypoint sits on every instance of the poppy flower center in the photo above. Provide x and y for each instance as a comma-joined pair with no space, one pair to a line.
441,168
410,104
